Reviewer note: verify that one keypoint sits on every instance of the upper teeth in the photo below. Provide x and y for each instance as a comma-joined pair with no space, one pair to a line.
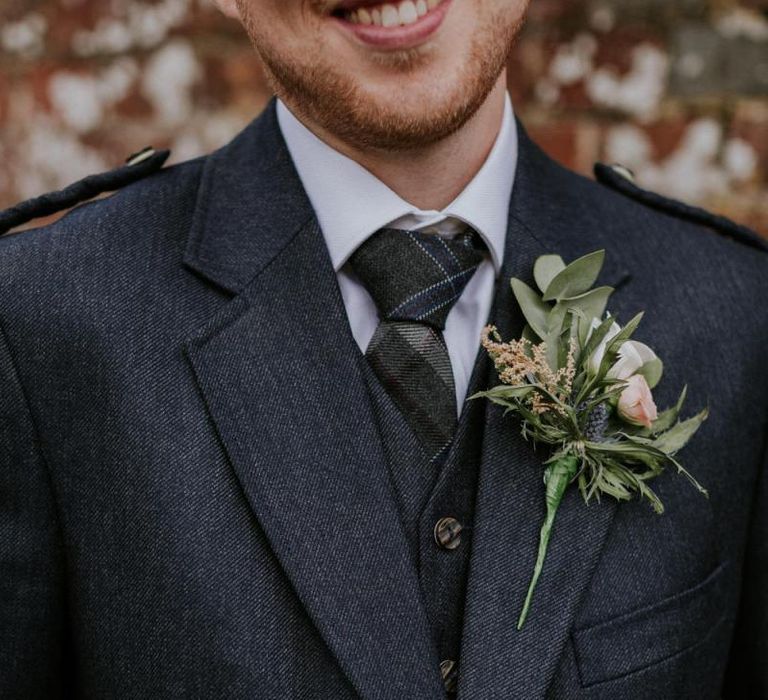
389,15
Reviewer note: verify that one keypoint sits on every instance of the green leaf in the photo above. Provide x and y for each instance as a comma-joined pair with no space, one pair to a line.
536,312
664,457
553,350
644,454
626,333
576,278
556,477
506,396
612,350
652,371
597,337
682,470
591,304
529,335
545,269
502,391
666,419
555,320
674,439
587,307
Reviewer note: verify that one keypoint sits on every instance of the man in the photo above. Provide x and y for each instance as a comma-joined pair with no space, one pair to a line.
227,470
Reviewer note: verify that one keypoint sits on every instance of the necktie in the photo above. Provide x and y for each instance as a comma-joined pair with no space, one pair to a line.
415,279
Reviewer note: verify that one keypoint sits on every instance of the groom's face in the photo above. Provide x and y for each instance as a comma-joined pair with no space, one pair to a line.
382,75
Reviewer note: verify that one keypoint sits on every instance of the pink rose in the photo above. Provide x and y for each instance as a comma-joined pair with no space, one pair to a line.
636,404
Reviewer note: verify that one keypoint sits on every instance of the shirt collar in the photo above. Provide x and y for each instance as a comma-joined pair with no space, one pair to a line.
352,203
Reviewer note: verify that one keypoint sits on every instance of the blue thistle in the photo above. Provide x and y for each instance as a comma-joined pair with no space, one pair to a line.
596,422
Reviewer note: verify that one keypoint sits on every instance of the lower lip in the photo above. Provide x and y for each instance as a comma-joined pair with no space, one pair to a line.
401,37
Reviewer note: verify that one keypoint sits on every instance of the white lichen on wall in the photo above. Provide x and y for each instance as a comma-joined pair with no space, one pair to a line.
26,37
54,157
742,22
704,164
132,25
168,79
573,61
82,100
639,91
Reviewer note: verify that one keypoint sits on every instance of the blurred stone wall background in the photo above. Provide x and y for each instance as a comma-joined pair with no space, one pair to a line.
677,90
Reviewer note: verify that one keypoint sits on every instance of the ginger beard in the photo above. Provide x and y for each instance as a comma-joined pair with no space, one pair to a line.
399,100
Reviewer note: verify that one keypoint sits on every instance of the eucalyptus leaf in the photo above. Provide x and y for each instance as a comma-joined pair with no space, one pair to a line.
652,371
529,335
536,312
545,269
587,307
552,342
576,278
556,319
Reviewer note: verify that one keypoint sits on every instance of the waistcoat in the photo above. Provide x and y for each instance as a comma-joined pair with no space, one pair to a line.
427,492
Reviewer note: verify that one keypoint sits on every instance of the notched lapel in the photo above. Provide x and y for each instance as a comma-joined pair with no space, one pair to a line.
280,375
281,378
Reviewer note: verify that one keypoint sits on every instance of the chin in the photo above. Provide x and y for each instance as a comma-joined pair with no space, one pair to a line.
414,125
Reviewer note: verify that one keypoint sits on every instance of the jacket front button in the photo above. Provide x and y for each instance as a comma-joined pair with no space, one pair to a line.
448,533
449,670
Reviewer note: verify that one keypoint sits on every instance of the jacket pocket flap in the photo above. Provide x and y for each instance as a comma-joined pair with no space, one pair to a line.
648,635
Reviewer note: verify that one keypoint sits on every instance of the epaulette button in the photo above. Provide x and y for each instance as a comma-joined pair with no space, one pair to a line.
624,171
140,156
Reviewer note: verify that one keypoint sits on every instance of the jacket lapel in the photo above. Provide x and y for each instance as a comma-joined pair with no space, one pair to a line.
496,659
281,377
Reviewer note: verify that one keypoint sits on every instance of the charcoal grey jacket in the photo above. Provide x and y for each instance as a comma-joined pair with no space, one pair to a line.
193,499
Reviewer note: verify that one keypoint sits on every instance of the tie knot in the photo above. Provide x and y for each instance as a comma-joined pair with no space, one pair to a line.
415,276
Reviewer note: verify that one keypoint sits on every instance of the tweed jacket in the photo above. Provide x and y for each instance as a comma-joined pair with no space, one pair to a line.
193,498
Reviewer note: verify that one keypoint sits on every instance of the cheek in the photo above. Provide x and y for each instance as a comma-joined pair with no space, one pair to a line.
286,30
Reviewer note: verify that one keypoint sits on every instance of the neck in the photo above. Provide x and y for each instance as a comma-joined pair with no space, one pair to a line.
457,158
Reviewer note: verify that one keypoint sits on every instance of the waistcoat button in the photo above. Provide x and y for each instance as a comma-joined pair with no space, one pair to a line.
448,533
450,672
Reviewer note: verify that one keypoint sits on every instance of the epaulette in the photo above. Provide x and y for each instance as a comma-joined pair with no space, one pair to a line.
137,166
621,179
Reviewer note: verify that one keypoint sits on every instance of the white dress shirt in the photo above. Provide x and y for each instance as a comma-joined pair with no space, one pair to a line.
351,204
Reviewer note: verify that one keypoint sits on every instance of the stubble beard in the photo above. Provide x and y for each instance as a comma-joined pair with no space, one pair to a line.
340,106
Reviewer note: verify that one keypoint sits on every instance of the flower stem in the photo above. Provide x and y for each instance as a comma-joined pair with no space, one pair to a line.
557,477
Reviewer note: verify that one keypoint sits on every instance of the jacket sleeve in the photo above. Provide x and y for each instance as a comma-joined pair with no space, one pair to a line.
32,610
747,674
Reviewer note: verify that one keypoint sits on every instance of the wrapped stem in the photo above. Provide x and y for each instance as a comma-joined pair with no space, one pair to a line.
557,477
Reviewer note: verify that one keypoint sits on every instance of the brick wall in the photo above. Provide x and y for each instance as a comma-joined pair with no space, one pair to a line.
677,90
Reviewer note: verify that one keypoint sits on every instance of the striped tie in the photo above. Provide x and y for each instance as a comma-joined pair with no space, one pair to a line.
415,279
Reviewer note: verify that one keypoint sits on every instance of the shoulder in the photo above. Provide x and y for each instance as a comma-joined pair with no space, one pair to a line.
143,203
658,233
141,181
621,180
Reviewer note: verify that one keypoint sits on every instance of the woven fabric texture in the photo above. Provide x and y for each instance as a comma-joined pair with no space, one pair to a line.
415,279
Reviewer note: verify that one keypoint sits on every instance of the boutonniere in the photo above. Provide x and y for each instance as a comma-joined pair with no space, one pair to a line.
578,382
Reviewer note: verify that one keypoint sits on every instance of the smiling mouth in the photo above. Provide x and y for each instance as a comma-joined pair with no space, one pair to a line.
386,14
